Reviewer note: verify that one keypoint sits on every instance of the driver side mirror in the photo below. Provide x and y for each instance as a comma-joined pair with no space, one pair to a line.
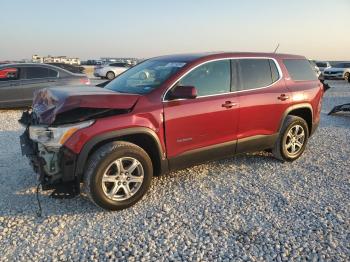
183,92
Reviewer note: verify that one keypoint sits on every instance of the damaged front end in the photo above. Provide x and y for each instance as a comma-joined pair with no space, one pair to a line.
44,147
57,114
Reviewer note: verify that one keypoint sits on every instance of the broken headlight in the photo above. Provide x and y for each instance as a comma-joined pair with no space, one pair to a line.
55,136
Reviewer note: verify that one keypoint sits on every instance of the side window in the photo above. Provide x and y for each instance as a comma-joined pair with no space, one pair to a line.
209,79
257,73
7,74
274,71
300,70
53,73
36,72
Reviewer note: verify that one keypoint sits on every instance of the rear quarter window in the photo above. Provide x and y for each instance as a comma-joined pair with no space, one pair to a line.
53,73
300,70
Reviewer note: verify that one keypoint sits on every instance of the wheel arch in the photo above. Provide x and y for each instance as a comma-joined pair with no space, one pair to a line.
146,138
110,71
304,111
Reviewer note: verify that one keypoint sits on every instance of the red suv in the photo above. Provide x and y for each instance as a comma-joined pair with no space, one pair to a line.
168,113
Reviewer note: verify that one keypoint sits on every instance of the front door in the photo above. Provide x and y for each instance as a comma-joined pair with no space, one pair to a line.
205,127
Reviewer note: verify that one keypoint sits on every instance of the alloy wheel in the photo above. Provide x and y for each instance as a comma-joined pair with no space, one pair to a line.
295,140
122,178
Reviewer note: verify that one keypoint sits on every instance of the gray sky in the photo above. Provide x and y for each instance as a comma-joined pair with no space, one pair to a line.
318,29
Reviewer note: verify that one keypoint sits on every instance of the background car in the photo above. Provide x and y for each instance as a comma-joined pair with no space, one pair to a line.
315,68
70,68
323,65
338,71
110,71
19,81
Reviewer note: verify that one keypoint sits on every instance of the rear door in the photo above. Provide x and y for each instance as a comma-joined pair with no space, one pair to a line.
202,128
263,99
34,78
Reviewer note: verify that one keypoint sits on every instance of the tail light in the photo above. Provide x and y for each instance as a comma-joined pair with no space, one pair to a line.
85,81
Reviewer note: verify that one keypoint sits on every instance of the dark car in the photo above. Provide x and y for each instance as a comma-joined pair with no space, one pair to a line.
19,81
70,68
168,113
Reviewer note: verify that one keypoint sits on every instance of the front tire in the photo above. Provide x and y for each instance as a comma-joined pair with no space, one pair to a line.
118,175
292,139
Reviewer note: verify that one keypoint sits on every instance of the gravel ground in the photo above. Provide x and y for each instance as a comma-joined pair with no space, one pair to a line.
250,207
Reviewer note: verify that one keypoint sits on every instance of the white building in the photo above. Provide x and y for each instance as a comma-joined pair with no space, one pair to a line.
55,59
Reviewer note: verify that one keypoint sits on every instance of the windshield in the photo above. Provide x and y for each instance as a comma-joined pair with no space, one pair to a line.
144,77
322,64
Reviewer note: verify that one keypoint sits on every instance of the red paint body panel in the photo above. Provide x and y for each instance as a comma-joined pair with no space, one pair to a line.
195,123
260,111
190,124
144,115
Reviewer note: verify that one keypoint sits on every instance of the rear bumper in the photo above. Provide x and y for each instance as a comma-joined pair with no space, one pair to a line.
66,163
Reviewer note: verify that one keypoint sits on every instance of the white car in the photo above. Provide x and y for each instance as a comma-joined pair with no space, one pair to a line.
323,65
110,71
315,68
338,71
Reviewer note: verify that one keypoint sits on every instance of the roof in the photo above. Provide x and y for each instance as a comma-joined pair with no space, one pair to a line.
217,55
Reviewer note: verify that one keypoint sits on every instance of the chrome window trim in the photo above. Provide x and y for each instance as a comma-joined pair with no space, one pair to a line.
220,59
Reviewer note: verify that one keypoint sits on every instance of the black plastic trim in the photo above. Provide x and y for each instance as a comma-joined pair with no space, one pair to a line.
68,160
83,156
297,106
202,155
256,143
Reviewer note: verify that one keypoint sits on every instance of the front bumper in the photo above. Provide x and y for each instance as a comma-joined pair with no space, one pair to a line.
61,168
333,76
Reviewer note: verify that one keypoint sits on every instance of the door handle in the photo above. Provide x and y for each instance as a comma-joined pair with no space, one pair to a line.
229,104
283,97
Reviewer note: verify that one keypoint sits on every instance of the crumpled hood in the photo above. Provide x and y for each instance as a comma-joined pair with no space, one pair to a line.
49,102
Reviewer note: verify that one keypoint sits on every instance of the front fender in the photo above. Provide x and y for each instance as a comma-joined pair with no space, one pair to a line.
113,135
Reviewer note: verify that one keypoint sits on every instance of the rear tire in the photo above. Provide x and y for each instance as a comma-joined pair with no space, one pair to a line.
110,75
118,175
292,139
347,77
